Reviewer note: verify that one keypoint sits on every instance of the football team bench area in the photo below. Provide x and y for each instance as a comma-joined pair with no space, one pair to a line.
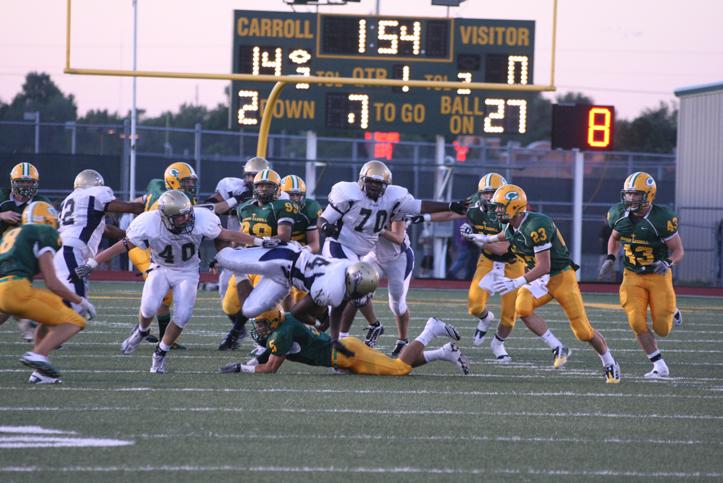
113,420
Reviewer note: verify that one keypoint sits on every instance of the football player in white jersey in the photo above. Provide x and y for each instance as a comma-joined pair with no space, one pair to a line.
392,257
359,211
328,282
82,223
173,233
242,190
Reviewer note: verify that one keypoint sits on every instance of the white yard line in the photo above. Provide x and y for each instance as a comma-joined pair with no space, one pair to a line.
361,470
365,412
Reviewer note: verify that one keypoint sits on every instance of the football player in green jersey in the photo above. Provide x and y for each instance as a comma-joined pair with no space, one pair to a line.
26,251
550,275
651,245
285,337
24,184
304,229
263,216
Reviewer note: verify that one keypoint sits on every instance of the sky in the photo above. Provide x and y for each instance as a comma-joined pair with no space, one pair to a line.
629,53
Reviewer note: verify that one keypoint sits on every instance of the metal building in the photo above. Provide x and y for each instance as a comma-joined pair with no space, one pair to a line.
699,183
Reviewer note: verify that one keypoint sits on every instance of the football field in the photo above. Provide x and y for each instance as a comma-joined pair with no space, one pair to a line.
113,420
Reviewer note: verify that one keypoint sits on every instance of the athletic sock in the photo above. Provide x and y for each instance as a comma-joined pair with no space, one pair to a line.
607,359
163,321
343,334
434,355
550,339
163,346
239,321
655,356
497,343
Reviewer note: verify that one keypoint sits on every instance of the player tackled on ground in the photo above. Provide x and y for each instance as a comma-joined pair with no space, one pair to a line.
286,337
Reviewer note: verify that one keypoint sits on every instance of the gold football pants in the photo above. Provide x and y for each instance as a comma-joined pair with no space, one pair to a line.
638,292
368,361
563,288
477,297
19,298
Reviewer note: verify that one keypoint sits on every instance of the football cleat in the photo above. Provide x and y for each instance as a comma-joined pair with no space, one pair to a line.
129,345
401,344
612,373
373,332
230,368
560,356
677,318
454,355
40,364
500,353
440,328
658,372
232,341
152,339
38,378
482,326
158,364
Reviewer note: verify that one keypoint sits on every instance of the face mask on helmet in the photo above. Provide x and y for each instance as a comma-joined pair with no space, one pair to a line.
373,188
265,192
24,188
176,212
265,323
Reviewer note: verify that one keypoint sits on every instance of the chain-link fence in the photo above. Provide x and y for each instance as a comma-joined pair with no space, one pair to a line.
60,150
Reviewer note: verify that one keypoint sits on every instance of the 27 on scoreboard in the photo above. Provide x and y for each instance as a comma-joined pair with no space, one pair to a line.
383,47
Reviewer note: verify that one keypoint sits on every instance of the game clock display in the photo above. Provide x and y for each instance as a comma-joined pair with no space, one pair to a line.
585,127
383,47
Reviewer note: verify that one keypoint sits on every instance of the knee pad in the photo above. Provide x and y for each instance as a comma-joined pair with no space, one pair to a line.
398,307
361,302
524,305
582,329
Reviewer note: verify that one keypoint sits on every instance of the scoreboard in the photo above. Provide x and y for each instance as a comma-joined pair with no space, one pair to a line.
382,47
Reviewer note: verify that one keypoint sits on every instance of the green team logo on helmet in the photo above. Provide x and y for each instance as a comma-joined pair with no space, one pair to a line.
175,172
512,195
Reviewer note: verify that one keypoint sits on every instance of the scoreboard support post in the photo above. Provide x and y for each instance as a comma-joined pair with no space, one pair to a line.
579,173
310,169
440,244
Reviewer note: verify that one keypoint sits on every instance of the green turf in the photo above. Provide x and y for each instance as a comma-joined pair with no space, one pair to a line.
524,421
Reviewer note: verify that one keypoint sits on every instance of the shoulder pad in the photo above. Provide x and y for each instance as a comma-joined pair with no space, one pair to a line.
346,191
395,191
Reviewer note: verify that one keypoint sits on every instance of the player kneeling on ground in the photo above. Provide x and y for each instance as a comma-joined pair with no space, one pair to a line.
26,251
285,337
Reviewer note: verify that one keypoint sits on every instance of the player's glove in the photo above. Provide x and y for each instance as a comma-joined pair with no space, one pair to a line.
480,239
86,308
416,219
459,207
267,242
465,229
505,285
661,266
330,230
606,267
82,271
